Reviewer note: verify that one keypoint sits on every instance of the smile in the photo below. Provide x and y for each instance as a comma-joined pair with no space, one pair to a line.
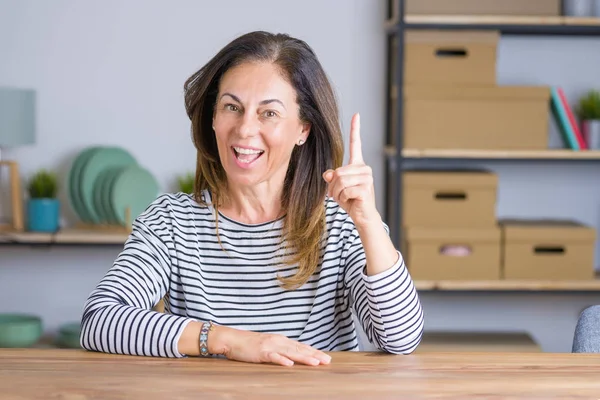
245,155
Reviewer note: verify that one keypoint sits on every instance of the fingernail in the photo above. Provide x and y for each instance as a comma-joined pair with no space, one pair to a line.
327,175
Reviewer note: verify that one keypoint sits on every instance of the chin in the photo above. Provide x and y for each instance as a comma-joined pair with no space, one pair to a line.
242,181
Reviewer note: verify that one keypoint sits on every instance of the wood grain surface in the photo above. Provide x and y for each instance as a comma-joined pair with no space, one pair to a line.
77,374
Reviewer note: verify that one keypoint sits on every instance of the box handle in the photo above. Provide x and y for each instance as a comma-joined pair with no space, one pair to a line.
450,196
451,53
455,250
549,250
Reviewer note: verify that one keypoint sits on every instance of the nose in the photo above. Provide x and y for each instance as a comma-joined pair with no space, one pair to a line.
249,126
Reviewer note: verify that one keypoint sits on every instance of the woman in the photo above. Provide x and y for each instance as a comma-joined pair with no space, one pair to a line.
278,244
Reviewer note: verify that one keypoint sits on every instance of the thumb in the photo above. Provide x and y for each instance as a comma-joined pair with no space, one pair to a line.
328,175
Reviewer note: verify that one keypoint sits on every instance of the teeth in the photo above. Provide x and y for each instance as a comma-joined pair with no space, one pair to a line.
247,151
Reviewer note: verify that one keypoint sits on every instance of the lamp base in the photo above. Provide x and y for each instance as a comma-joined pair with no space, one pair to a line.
17,224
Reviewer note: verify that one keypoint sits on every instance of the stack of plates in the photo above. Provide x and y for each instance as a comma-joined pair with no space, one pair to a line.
104,181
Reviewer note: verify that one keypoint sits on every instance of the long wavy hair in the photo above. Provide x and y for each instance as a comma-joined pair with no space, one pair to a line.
304,188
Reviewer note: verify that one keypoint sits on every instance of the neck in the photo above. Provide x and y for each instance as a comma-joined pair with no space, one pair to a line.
253,205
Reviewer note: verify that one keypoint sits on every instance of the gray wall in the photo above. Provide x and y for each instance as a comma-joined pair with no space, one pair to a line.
112,72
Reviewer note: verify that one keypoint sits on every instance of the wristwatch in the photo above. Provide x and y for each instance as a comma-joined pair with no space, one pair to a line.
206,328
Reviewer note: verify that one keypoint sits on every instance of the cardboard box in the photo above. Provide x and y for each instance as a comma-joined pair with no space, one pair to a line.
492,118
483,7
547,250
450,58
450,198
453,253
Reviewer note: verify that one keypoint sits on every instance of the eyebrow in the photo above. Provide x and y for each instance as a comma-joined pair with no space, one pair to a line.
263,102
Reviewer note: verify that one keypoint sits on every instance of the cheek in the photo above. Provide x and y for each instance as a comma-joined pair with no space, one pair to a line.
223,121
283,138
221,143
280,144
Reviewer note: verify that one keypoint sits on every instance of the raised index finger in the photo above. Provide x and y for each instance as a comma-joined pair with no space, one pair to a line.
355,144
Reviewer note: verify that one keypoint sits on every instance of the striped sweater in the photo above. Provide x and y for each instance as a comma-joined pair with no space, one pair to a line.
173,253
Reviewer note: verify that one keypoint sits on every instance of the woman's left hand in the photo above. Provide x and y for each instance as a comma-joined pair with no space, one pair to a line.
351,186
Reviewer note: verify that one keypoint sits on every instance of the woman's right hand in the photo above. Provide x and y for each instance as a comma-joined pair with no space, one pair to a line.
256,347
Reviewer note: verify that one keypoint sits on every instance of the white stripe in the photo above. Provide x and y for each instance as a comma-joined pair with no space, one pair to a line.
174,248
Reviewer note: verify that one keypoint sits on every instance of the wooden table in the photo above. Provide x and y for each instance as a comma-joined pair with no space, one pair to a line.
77,374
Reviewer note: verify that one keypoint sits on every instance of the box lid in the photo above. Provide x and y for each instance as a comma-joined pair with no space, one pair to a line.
454,38
549,230
454,92
450,179
453,235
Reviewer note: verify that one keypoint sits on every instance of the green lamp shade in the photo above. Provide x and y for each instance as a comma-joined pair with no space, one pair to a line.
17,117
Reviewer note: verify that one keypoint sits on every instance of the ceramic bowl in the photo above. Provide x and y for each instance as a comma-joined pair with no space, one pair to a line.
19,330
68,336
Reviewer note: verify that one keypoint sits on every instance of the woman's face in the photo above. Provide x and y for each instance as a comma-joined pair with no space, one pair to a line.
256,122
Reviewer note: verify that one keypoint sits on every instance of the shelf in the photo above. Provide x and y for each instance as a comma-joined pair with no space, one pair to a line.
67,237
435,342
510,25
74,237
558,154
592,285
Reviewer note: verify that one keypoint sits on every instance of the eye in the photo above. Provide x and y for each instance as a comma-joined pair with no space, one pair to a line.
270,114
232,107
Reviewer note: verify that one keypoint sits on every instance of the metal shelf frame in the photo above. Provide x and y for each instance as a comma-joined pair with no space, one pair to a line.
395,26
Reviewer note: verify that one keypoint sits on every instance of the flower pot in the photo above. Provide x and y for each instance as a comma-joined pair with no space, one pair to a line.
43,215
596,8
591,133
578,8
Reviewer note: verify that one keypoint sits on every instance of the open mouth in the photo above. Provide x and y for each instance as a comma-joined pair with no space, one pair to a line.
247,156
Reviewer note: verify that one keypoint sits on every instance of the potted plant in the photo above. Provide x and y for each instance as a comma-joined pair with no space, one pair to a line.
185,183
43,208
589,115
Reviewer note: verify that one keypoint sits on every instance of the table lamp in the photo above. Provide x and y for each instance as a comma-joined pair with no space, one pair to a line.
17,128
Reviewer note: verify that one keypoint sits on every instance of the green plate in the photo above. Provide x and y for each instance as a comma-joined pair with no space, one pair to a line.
107,195
134,187
97,196
101,191
104,158
74,185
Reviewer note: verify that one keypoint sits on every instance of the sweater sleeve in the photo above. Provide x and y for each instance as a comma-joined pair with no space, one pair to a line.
387,304
118,316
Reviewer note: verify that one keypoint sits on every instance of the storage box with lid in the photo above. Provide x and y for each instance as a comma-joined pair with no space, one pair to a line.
434,57
547,250
484,7
449,198
452,253
462,117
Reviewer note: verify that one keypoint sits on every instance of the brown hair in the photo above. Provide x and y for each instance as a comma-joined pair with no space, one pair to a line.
304,188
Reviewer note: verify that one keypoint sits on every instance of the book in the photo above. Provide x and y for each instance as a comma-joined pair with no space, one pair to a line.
572,120
562,120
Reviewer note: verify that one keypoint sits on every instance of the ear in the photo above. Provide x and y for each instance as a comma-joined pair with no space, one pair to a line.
304,132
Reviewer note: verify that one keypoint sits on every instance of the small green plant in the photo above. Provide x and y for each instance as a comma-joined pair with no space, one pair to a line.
43,185
589,106
186,183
